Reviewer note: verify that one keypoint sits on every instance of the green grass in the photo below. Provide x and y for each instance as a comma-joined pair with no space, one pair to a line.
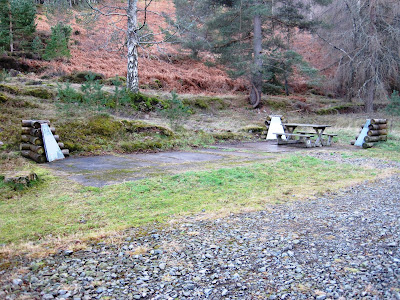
389,150
57,208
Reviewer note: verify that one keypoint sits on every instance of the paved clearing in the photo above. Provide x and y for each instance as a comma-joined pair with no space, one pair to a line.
111,169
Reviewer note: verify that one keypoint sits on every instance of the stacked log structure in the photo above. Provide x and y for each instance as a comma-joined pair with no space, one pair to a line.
32,142
377,132
268,120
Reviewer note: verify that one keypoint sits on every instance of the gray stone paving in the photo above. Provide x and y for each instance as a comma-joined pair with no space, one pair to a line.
112,169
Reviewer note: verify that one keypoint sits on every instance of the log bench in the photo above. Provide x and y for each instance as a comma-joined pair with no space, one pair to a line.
304,139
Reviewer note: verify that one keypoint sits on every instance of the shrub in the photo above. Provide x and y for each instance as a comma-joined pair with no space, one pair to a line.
39,93
82,76
175,111
4,75
92,91
104,125
92,94
57,46
393,107
37,46
68,94
144,103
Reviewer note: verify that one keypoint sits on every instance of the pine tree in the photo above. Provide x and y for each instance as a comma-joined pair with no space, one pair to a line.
191,16
6,31
17,24
57,46
246,34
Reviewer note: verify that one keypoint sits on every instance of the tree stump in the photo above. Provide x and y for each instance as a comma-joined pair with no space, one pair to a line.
24,179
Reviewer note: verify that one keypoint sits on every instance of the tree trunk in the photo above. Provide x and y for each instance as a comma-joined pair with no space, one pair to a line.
286,84
11,28
132,44
256,80
369,97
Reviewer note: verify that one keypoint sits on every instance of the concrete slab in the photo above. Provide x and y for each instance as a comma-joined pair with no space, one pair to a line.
267,146
94,163
98,171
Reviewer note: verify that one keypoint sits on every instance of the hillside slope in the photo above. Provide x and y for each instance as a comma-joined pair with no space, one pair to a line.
160,67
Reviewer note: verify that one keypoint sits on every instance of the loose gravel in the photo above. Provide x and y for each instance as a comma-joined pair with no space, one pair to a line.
340,246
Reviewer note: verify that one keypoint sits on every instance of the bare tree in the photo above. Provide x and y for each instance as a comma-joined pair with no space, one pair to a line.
364,36
133,33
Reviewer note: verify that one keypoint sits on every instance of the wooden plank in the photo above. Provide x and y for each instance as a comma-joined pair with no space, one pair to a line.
25,146
303,139
25,138
360,140
295,134
307,125
34,123
33,148
35,140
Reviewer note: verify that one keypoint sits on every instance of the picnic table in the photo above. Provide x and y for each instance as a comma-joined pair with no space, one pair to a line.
302,137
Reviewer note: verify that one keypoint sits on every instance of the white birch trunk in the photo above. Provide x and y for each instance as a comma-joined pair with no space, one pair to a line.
132,44
255,94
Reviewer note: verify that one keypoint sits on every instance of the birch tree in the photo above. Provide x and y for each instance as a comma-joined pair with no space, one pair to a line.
133,33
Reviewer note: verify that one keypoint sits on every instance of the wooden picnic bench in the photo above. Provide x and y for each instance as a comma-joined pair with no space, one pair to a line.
325,142
303,137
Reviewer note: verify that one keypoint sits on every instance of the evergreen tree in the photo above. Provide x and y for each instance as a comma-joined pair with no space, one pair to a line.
17,24
247,34
191,16
6,26
57,46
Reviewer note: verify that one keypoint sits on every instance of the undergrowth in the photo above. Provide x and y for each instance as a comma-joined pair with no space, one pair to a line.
92,95
102,133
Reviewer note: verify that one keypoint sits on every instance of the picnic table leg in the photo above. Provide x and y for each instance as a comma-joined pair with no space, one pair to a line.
308,143
280,140
289,129
329,140
319,141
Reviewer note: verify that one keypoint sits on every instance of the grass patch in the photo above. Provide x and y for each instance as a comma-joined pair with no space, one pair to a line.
206,103
341,108
389,150
56,208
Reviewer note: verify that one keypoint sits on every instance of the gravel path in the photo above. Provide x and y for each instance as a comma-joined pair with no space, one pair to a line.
341,246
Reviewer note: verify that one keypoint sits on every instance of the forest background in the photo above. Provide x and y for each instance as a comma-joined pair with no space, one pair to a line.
345,48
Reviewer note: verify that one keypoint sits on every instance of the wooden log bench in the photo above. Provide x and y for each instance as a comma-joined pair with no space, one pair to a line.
304,139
